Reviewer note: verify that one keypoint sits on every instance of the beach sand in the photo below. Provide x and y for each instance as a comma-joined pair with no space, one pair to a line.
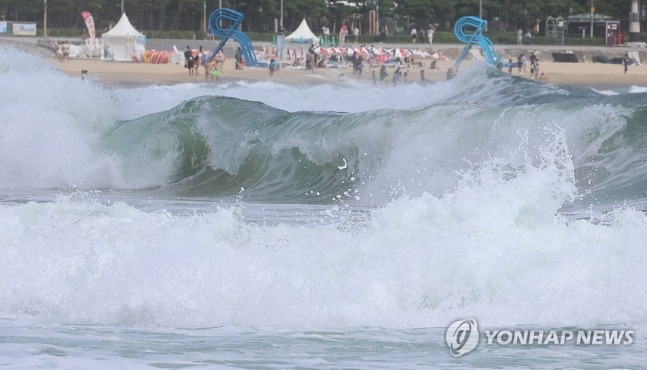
593,75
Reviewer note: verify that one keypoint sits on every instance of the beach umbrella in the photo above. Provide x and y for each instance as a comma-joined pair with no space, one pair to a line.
376,51
361,52
321,51
421,53
439,56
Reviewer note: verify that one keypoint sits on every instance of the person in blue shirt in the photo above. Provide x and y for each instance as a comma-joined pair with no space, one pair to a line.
274,66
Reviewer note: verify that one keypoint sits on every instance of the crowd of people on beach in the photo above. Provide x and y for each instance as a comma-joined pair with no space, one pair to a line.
360,61
379,73
357,61
212,68
521,65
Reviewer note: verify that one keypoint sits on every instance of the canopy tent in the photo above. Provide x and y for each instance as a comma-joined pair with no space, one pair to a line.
123,41
303,34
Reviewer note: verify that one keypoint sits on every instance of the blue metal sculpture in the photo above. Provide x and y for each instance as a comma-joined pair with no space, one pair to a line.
475,37
233,18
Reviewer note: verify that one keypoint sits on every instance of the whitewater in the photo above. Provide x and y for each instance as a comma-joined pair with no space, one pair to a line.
261,225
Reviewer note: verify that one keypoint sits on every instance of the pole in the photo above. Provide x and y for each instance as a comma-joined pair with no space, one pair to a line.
122,6
481,9
281,23
591,33
45,19
377,17
204,16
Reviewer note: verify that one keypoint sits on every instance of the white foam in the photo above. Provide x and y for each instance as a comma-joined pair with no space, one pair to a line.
493,248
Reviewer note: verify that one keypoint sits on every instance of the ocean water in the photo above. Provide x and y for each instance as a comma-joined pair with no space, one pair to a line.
260,225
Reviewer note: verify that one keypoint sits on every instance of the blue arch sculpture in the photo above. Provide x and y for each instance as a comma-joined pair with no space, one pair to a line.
475,37
235,18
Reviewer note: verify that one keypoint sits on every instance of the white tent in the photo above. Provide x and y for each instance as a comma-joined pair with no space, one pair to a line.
123,41
303,34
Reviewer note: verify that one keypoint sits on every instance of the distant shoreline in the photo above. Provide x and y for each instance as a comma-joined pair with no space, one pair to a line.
585,74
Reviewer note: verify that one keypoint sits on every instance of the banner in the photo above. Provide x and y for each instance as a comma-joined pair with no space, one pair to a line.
89,23
24,29
3,27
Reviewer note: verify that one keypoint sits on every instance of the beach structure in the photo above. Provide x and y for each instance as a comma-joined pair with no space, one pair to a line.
303,34
123,42
226,16
463,34
603,26
634,22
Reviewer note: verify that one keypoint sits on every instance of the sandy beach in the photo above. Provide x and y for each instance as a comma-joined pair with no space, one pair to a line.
594,75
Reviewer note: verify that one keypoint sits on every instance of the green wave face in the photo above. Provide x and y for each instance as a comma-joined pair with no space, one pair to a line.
217,146
214,146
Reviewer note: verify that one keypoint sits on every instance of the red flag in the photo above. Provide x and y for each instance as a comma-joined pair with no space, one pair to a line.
89,23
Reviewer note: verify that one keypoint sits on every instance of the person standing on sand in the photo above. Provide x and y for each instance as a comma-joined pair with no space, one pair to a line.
359,66
414,35
274,66
626,61
534,65
313,61
383,74
197,60
191,64
203,62
521,64
220,57
239,58
66,51
59,52
398,72
208,67
213,69
187,54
